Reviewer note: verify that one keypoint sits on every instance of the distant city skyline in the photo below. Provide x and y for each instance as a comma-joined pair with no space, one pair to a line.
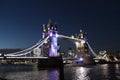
21,21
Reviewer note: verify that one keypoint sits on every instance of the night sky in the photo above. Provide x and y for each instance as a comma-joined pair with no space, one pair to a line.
21,21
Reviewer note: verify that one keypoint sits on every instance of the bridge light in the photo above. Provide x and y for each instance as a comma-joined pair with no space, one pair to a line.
81,59
76,43
48,28
52,28
44,28
82,41
43,36
81,36
56,35
72,36
50,34
45,42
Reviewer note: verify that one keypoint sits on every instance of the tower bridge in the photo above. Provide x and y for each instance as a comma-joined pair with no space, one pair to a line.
48,46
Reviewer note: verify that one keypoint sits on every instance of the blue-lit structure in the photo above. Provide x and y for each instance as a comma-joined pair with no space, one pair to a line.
54,46
51,47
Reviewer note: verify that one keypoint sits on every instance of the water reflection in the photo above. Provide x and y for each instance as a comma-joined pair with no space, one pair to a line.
77,73
93,72
81,74
23,72
56,74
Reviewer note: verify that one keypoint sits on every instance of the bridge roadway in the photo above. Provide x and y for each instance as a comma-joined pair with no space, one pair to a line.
22,58
32,58
8,57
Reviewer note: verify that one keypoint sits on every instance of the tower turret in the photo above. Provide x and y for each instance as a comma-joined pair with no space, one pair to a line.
44,28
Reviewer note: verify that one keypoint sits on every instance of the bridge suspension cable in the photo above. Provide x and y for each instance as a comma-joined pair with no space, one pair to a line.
71,38
41,42
76,39
23,51
91,50
29,50
21,54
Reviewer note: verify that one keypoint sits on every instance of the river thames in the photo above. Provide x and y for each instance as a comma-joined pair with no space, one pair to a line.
31,72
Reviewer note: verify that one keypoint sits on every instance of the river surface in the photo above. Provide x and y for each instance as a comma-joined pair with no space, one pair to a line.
31,72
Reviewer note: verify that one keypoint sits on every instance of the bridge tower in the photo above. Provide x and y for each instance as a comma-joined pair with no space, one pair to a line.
82,47
50,48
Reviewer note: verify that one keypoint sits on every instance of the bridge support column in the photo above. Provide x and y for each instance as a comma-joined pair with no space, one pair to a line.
82,52
51,62
54,60
53,44
82,49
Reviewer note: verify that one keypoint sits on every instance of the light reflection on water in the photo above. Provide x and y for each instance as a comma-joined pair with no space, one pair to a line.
81,73
93,72
34,75
28,72
78,73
